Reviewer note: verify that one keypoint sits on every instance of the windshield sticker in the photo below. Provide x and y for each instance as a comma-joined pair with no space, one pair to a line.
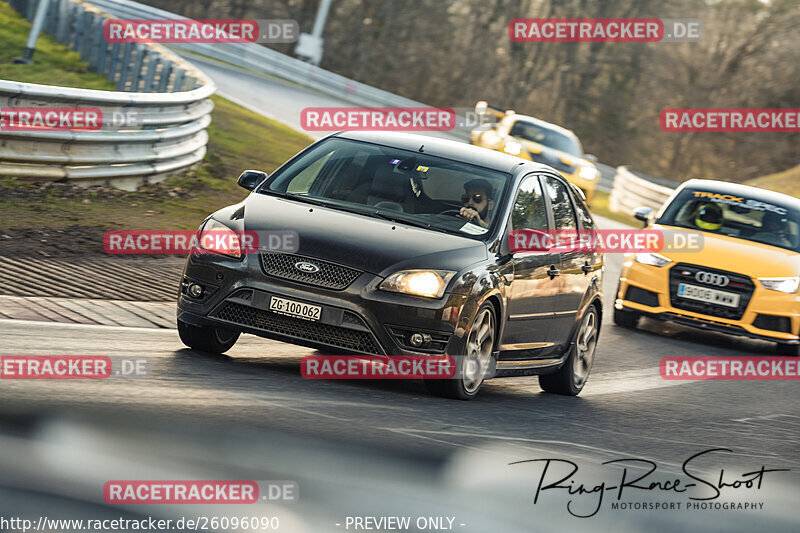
473,229
394,162
422,169
740,201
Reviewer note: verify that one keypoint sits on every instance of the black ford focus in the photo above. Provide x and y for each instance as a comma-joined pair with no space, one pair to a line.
402,248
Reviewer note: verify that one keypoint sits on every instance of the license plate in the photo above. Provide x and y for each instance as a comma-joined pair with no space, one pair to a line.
704,294
296,309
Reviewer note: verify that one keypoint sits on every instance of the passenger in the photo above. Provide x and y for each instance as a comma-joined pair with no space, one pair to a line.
477,202
773,231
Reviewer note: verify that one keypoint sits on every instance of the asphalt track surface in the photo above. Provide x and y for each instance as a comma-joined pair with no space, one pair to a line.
625,411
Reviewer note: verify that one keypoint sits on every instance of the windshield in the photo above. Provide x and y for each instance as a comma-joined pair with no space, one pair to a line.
547,137
391,183
735,216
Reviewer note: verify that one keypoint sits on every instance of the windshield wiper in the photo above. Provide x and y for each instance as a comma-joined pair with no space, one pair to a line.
403,220
290,196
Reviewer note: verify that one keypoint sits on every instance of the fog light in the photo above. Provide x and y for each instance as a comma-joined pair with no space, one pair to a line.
419,339
195,290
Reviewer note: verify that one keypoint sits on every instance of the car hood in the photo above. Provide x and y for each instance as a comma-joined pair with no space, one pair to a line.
362,242
738,255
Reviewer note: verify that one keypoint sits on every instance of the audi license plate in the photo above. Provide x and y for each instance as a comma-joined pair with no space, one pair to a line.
296,309
704,294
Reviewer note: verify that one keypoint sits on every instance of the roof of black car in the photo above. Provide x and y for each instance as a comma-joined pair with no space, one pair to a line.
458,151
737,189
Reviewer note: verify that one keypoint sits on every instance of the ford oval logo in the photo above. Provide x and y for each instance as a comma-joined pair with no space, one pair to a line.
305,266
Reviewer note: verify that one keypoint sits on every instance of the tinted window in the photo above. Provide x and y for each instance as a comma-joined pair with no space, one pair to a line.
529,211
563,213
583,214
384,181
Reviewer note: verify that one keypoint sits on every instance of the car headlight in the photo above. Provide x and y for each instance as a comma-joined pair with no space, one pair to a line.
652,259
427,283
219,239
787,285
512,148
588,173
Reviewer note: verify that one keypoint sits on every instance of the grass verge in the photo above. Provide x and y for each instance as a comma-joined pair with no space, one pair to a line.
600,207
787,182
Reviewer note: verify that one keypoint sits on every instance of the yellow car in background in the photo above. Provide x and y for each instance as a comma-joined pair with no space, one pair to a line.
743,280
536,140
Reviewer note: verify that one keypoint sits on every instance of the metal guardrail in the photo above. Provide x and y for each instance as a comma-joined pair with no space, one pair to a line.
631,191
167,96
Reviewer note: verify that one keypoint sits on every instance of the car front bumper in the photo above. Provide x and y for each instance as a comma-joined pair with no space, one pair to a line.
764,307
358,319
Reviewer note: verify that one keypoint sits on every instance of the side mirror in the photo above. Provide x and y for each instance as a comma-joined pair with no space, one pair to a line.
249,179
590,157
643,214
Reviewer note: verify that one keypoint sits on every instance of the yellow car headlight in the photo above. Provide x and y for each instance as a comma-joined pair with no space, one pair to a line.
652,259
427,283
588,173
787,285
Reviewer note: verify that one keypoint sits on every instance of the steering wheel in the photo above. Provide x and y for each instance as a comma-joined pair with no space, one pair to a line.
454,212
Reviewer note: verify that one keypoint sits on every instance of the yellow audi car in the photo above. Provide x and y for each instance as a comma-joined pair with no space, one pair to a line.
743,276
536,140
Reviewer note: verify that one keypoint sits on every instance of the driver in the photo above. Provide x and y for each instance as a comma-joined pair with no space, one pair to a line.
708,217
477,203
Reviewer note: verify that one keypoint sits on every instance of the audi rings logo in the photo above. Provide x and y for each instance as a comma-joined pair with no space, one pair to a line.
709,278
305,266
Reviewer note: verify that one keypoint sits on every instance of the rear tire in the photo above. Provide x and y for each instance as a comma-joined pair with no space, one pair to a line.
211,339
571,377
626,319
472,368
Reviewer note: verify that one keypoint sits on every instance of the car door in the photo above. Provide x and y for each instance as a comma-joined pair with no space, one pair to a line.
577,265
533,291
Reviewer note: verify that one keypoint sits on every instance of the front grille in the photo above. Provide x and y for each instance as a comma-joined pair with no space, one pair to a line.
330,275
356,341
773,323
739,284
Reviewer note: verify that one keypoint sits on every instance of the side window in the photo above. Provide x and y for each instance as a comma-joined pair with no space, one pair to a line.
583,214
529,211
563,213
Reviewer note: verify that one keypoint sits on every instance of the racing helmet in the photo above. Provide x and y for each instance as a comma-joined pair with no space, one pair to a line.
708,217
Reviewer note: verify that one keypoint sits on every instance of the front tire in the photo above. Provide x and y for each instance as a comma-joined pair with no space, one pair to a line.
626,319
211,339
571,377
792,350
471,368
